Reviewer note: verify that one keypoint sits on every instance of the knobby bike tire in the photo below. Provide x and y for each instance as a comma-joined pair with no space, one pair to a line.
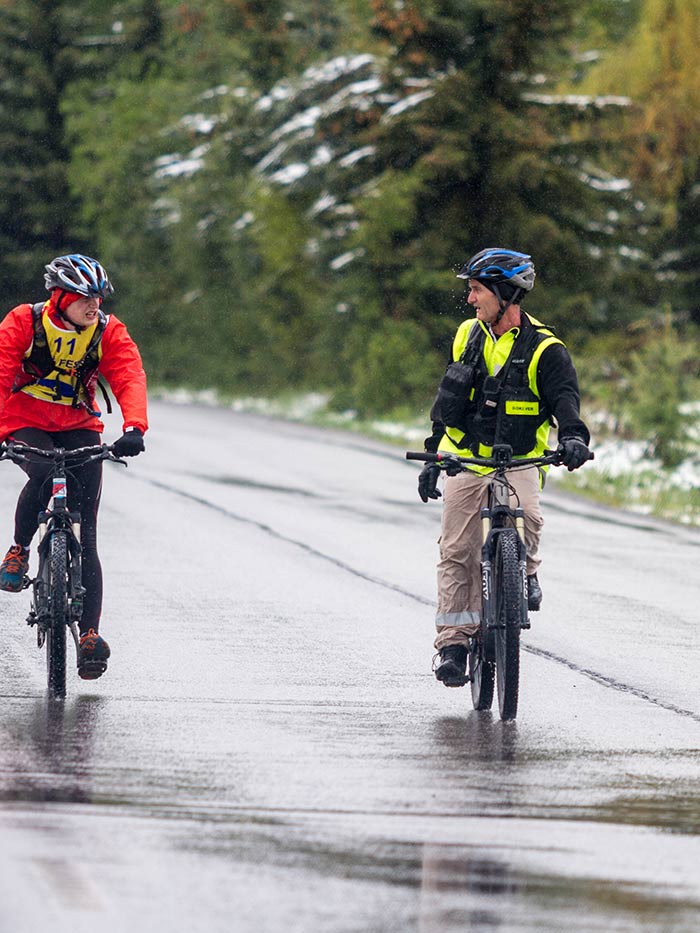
481,671
58,603
508,594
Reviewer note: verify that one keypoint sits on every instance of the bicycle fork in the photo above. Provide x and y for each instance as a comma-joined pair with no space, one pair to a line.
522,563
75,579
486,567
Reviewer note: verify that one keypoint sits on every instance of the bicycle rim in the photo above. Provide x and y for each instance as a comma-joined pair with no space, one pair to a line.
508,590
58,604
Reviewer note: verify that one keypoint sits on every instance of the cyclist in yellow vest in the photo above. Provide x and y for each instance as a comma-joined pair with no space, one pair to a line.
510,379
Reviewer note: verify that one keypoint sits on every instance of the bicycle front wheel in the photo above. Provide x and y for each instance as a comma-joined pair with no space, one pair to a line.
509,596
58,610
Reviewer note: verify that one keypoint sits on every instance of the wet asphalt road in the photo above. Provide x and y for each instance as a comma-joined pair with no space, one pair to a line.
269,749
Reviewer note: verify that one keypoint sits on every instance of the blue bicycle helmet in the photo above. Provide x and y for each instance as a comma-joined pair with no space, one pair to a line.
79,274
507,273
500,266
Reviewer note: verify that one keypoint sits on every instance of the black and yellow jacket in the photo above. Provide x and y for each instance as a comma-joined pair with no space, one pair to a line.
525,383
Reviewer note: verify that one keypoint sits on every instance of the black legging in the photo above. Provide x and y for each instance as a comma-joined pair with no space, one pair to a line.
84,489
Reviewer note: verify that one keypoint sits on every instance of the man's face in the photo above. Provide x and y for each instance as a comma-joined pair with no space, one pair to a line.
484,302
83,312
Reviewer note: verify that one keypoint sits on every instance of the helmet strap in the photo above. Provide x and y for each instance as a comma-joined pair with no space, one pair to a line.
515,297
61,312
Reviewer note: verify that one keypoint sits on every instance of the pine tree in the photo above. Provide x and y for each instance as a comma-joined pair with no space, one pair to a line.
48,48
37,210
487,158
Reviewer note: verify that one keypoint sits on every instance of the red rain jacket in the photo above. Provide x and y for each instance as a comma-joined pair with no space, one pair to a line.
120,364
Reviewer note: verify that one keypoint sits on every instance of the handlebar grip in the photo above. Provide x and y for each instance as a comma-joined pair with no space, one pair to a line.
425,457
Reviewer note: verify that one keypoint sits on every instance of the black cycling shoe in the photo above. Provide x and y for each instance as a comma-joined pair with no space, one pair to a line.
534,593
452,666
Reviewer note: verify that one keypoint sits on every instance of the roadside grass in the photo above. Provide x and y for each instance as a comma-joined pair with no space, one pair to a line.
621,475
648,493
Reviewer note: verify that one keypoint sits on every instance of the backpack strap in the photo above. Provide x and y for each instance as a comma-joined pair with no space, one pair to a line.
89,364
39,362
519,357
474,345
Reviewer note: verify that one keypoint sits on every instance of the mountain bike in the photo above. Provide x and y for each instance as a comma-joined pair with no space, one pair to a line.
57,589
494,652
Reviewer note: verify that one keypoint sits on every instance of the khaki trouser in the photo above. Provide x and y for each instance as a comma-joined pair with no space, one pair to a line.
459,568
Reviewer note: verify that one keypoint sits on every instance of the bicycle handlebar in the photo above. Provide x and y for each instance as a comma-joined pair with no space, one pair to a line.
20,453
504,460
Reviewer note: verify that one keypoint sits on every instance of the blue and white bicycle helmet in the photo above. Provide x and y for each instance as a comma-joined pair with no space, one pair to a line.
500,266
79,274
507,273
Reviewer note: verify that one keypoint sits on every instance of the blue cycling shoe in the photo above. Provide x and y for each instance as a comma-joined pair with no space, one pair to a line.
14,568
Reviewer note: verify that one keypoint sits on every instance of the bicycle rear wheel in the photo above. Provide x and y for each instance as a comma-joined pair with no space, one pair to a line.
509,596
58,607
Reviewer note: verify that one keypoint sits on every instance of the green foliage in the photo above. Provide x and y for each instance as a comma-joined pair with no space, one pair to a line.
604,23
661,376
396,369
282,191
37,61
657,66
485,159
643,380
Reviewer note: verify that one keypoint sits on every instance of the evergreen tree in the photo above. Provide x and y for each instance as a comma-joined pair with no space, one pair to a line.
657,67
278,179
37,210
181,147
47,49
488,157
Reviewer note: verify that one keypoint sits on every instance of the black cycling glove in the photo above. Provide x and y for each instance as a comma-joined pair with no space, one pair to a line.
427,482
130,444
574,452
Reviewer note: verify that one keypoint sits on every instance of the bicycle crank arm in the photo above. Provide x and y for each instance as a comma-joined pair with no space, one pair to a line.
75,633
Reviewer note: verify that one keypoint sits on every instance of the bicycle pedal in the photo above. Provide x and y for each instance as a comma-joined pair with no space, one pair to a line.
462,682
91,670
26,582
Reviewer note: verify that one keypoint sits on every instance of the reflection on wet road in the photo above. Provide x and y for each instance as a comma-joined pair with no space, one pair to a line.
53,740
269,750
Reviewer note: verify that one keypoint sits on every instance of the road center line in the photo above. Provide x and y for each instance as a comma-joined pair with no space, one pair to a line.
595,676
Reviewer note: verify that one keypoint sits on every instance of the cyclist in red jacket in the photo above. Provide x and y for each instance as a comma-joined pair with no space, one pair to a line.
51,355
